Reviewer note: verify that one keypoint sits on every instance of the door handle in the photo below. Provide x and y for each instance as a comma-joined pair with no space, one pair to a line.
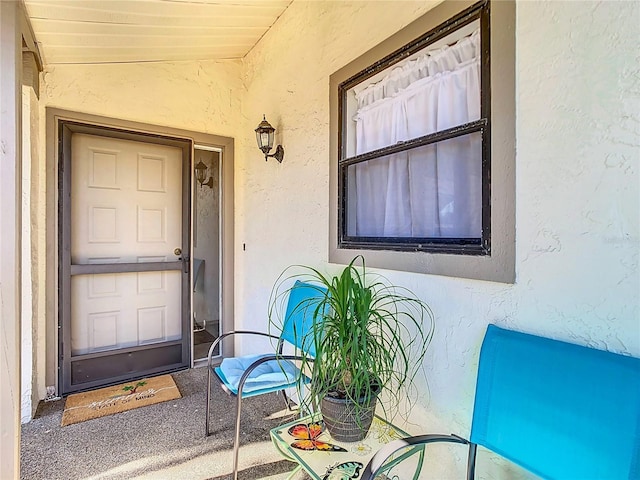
184,260
185,264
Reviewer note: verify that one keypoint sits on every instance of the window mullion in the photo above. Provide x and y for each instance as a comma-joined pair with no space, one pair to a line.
458,131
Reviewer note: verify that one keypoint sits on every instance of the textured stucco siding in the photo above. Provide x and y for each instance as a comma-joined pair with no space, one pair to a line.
199,96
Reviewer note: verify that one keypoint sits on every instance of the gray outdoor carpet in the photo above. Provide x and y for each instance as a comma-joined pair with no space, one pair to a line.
162,441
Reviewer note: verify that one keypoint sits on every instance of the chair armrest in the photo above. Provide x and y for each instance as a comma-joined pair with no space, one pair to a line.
390,448
265,359
235,332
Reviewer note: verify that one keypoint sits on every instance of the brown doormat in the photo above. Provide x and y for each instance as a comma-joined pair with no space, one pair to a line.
119,398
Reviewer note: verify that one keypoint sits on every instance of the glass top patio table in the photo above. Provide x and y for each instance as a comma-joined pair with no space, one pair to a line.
324,458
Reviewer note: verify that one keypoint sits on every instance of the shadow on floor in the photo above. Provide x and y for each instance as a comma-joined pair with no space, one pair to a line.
261,471
162,441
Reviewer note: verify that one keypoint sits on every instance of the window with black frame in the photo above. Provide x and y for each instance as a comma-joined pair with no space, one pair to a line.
414,144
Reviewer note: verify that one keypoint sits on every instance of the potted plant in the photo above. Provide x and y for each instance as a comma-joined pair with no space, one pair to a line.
370,339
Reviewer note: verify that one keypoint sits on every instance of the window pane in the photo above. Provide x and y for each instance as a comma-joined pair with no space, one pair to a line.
434,89
433,191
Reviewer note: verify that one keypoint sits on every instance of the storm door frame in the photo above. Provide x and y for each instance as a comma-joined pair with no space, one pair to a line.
86,371
51,345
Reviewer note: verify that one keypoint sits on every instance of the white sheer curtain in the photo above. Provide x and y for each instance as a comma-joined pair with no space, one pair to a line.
434,190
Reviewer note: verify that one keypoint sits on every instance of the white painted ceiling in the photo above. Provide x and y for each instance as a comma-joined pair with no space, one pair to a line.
126,31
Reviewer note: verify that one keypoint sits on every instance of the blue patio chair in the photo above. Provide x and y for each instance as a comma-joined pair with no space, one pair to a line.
559,410
252,375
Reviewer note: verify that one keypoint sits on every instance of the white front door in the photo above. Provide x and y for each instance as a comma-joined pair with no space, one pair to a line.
126,267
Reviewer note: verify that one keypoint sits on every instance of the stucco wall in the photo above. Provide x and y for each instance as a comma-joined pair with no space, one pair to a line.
282,209
33,254
577,205
199,96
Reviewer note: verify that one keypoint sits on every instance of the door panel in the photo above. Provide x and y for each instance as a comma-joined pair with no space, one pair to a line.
126,200
126,285
118,310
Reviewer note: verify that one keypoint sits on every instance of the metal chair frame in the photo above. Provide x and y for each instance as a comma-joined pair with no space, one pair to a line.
243,379
378,462
289,335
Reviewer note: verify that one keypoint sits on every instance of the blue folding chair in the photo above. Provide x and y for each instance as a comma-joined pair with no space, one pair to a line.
252,375
559,410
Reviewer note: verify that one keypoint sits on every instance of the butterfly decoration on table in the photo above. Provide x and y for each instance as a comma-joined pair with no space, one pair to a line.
306,435
343,471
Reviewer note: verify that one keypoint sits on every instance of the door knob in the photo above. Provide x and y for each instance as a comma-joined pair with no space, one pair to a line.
177,251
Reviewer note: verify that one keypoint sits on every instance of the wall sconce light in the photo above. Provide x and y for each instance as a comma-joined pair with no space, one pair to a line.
264,136
201,174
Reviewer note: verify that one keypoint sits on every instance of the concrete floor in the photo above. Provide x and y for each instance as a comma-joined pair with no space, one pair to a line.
162,441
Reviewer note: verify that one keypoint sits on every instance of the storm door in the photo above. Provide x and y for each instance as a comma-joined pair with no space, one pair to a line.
124,281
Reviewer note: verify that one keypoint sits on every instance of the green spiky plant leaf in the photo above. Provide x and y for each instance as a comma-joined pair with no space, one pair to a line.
370,336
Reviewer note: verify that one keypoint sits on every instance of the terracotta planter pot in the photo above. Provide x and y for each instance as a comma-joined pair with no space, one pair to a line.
342,422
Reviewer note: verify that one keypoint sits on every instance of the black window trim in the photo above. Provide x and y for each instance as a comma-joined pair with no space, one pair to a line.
462,246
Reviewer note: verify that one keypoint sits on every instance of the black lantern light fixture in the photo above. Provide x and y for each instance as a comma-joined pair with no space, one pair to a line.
201,174
264,136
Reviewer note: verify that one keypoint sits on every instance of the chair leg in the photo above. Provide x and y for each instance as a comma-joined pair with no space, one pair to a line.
471,462
236,442
287,402
208,407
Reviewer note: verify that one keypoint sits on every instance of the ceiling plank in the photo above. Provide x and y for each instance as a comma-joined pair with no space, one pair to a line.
64,27
156,13
118,56
97,31
145,41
